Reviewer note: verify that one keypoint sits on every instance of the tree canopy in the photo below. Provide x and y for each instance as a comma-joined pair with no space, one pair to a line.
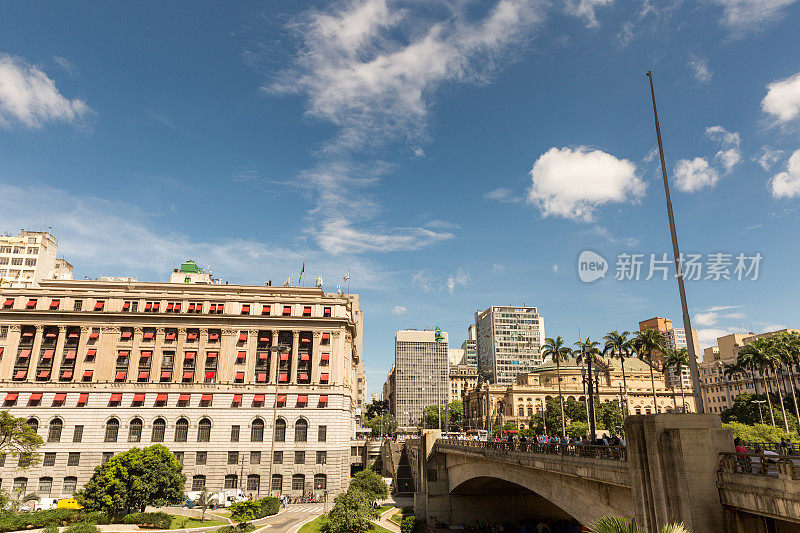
370,483
17,438
133,480
453,410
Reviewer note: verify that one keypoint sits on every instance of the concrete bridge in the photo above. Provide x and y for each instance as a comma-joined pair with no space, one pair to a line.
676,466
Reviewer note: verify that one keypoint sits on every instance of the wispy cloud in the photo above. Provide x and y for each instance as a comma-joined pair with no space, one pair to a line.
700,69
503,194
749,16
29,97
399,310
458,279
768,157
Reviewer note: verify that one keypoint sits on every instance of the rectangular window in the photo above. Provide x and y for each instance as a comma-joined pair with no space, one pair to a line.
231,481
70,485
299,457
107,457
277,482
255,458
74,459
322,458
198,483
49,459
77,434
201,458
233,458
179,457
322,433
253,482
234,433
277,457
78,305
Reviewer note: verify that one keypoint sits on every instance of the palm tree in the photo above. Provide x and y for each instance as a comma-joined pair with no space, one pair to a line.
18,498
677,360
773,363
558,352
588,353
731,372
788,346
204,500
620,346
755,355
617,524
648,343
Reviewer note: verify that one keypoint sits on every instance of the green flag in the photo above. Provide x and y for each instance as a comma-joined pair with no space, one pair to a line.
439,336
302,269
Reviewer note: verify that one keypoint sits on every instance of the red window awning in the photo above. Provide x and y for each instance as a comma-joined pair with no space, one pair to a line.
220,308
146,354
284,377
123,353
258,398
206,397
245,309
126,306
31,304
166,374
305,339
261,377
2,349
183,398
326,337
70,355
170,306
189,356
324,377
263,356
91,352
210,375
213,336
60,397
170,336
67,374
44,374
306,311
237,399
188,375
161,397
120,375
73,335
242,337
98,306
304,357
284,357
24,354
83,398
126,334
20,374
241,355
325,357
304,377
88,374
191,308
94,336
48,354
36,397
265,310
287,309
138,397
12,396
26,334
156,306
9,302
323,399
148,306
116,397
281,398
148,335
144,374
211,355
263,338
192,336
50,335
54,304
239,376
302,398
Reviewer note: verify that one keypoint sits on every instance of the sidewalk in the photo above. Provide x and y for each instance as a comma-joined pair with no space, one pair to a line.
384,521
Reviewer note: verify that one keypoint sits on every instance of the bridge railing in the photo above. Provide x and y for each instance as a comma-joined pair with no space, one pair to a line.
760,464
612,453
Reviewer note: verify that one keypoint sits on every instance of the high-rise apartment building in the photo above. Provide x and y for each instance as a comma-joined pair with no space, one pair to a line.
470,346
674,338
252,387
509,342
29,258
420,374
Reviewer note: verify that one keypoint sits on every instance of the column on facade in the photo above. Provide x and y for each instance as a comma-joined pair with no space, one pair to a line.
295,356
316,354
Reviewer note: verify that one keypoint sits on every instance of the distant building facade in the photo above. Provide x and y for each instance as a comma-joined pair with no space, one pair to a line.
470,346
30,257
674,338
463,378
420,374
509,342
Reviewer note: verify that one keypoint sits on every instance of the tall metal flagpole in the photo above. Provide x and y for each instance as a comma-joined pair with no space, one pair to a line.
687,325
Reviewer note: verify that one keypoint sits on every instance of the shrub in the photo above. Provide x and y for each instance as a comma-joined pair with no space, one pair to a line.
243,511
269,506
408,525
370,483
758,433
55,517
151,520
50,528
244,527
82,527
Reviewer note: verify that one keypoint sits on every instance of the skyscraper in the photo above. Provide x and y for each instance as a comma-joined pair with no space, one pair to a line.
509,342
421,374
470,346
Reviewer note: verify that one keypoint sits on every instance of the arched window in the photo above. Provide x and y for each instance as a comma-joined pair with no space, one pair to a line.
159,428
277,483
254,482
70,485
204,431
298,482
181,430
21,484
54,431
320,482
280,430
33,424
257,430
112,430
45,486
301,430
198,483
230,481
135,430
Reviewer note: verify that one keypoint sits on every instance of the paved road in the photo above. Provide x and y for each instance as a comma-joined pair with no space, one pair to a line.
288,520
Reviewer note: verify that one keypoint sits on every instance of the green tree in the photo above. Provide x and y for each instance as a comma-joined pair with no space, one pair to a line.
17,438
204,500
558,353
16,499
745,410
609,415
577,429
619,346
455,414
757,355
377,408
370,483
454,411
617,524
384,424
576,411
759,433
553,418
588,354
352,513
677,360
787,345
647,344
133,480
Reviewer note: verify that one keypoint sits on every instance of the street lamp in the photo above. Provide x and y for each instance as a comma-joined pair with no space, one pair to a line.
276,349
760,414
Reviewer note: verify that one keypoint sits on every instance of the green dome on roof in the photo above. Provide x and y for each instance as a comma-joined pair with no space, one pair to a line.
190,267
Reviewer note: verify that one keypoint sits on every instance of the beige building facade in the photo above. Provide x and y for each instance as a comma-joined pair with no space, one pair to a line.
30,257
463,378
674,338
252,387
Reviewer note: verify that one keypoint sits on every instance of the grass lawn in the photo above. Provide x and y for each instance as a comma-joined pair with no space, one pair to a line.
397,518
182,522
314,525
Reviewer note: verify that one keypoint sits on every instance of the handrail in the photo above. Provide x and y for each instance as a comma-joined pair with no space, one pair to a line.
613,453
760,464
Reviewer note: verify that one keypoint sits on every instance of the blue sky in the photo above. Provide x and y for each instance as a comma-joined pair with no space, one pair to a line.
453,155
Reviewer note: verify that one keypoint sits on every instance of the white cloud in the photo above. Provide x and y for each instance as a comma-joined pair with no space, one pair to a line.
338,236
730,155
695,174
502,194
66,65
787,183
398,310
423,279
700,70
768,157
707,337
459,279
734,316
585,9
743,16
783,99
370,67
767,328
706,319
497,268
555,269
572,183
723,307
29,97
